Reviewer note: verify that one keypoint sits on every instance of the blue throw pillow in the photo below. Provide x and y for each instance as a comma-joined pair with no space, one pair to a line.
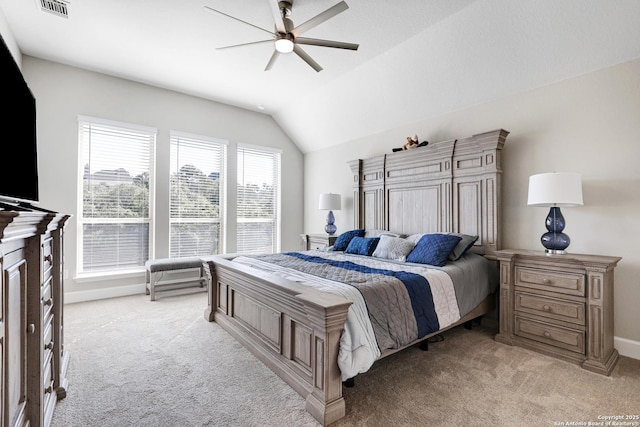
362,245
343,240
433,249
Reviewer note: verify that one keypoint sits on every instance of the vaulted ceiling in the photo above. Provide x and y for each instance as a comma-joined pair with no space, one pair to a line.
416,58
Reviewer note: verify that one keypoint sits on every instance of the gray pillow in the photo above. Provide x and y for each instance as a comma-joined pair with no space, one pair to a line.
463,245
394,248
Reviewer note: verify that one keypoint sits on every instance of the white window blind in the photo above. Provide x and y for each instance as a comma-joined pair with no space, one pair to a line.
197,202
258,200
115,178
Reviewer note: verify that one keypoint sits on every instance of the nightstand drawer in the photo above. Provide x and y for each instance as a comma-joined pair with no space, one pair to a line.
555,336
317,241
562,310
553,281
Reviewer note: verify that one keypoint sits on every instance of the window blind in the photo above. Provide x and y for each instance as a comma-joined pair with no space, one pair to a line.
258,204
115,178
196,202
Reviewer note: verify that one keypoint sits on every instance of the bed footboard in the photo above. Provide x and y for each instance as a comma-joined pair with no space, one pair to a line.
293,329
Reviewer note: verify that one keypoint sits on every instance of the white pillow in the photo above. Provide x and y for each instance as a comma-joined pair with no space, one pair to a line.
394,248
377,233
415,238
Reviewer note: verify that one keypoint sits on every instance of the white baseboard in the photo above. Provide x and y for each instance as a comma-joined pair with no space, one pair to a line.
626,347
121,291
96,294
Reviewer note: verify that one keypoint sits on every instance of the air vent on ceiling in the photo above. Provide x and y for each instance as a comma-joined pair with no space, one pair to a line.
56,7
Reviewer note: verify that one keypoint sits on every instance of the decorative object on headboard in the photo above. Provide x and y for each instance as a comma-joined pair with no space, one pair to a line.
411,143
555,190
330,202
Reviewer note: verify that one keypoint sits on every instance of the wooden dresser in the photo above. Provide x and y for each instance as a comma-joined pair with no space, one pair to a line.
560,305
34,362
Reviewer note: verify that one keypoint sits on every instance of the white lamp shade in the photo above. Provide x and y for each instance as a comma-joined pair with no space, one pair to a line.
555,189
329,202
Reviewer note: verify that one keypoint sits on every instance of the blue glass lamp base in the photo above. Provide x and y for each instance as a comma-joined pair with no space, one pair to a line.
555,243
330,228
554,240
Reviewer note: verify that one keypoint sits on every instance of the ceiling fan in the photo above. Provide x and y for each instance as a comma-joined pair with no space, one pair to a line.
286,36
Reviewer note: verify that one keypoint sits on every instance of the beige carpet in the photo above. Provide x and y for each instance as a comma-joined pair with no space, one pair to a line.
141,363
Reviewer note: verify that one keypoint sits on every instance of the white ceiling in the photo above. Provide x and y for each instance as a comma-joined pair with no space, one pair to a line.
417,58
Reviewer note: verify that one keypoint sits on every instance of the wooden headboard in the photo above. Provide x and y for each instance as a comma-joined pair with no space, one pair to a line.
448,186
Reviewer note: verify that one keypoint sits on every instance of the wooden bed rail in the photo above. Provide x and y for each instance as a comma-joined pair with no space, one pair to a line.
293,329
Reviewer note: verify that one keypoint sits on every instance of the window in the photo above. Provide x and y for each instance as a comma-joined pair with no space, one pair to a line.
258,200
116,182
197,207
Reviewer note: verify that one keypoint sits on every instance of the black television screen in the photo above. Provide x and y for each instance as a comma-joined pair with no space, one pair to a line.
19,176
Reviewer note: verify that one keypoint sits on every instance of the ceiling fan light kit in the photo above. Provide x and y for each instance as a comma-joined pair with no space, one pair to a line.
284,43
286,37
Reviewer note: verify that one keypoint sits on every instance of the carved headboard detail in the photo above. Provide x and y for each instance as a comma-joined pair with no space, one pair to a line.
448,186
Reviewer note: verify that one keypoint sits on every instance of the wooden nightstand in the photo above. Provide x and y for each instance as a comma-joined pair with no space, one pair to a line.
317,241
560,305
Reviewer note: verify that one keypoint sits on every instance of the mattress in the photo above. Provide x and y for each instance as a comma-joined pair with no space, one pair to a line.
393,303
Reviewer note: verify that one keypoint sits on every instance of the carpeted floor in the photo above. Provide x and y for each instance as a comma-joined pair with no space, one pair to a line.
141,363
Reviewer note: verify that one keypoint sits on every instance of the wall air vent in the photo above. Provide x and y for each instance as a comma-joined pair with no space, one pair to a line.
56,7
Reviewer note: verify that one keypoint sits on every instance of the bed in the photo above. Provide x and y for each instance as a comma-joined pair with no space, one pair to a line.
288,317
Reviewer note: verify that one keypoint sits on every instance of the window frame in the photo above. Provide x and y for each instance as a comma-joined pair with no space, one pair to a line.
222,217
81,220
277,184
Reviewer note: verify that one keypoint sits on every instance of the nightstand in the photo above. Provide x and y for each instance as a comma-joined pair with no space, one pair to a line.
559,305
317,241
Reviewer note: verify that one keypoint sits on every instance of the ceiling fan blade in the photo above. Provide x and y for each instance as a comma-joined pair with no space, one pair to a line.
326,43
320,18
277,16
275,56
245,44
306,58
239,20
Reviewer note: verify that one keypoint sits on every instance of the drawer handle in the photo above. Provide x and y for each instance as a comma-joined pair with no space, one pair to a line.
48,258
546,281
547,334
48,301
48,389
49,346
546,307
31,328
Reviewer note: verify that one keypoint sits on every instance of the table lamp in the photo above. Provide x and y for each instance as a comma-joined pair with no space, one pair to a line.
556,189
330,202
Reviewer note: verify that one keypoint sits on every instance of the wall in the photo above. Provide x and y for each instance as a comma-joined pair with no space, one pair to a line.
64,92
589,124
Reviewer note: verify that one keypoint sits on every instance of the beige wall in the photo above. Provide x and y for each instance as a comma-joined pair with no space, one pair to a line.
63,93
589,124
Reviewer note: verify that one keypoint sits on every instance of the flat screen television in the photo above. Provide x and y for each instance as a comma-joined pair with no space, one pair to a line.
19,164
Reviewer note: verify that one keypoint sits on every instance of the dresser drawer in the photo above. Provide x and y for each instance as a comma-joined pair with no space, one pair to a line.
556,336
47,336
552,308
553,281
47,299
47,378
47,258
